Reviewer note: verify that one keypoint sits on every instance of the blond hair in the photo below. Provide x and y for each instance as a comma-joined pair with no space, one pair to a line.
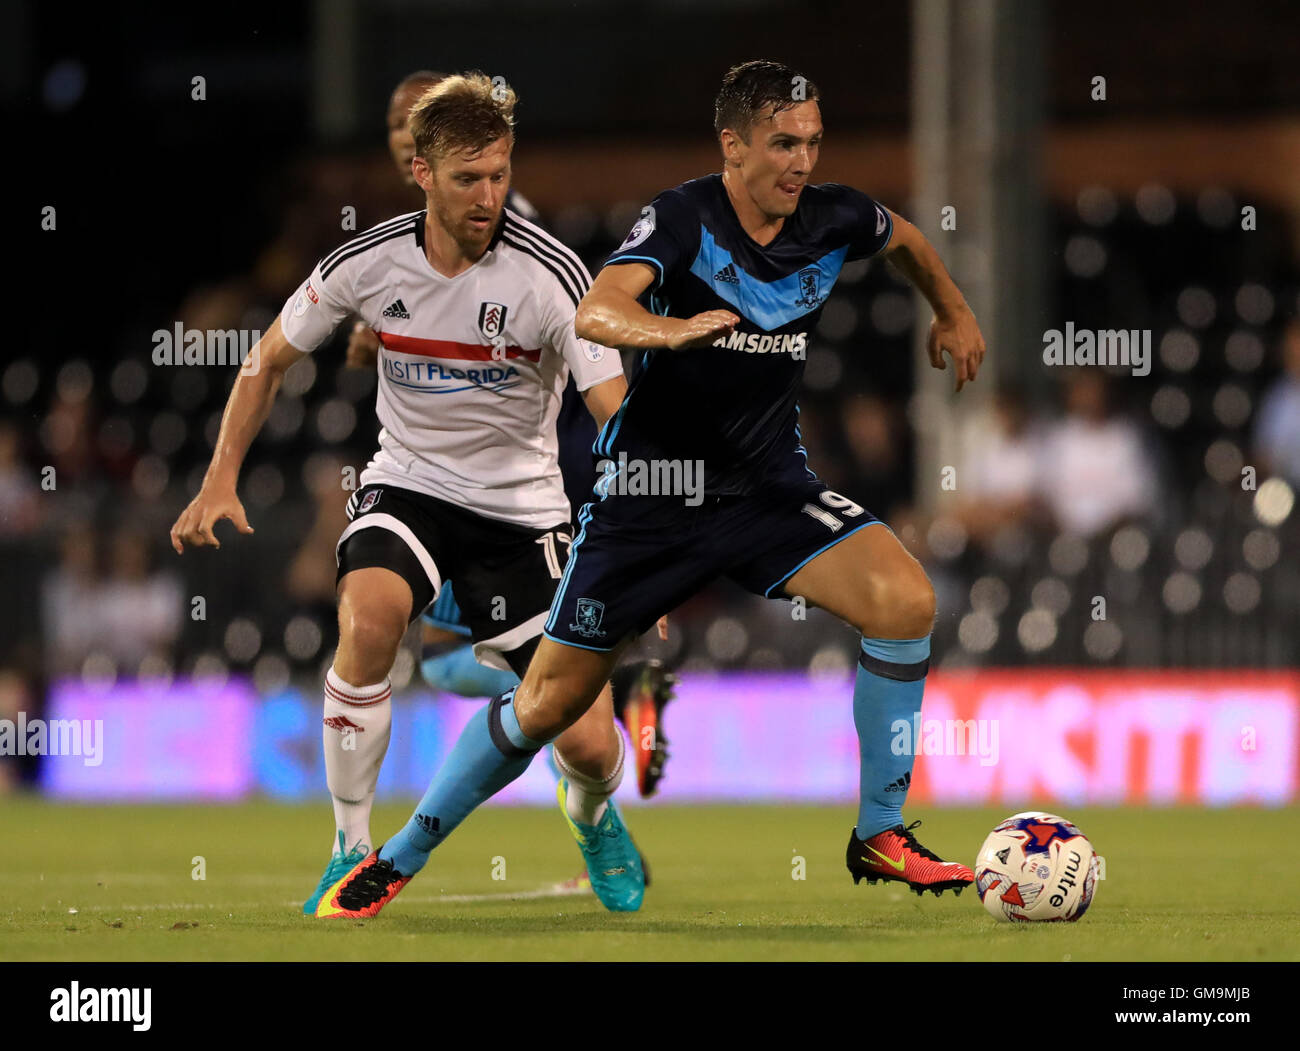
462,112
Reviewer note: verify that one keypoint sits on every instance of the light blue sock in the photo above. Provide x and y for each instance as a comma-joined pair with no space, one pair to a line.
490,753
891,679
458,672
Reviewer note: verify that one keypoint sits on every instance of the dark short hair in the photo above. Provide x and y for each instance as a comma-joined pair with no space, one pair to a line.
421,78
751,86
411,86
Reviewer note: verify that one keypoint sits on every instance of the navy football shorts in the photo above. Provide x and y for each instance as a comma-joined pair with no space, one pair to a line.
639,557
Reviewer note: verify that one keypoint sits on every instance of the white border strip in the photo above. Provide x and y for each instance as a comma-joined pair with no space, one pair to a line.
489,651
401,529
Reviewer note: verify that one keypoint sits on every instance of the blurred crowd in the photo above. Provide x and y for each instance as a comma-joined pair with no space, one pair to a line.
1169,496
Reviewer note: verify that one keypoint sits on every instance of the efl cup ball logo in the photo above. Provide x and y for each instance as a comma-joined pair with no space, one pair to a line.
1037,866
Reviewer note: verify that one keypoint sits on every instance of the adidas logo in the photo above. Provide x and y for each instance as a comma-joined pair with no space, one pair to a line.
342,724
398,310
429,824
728,275
901,785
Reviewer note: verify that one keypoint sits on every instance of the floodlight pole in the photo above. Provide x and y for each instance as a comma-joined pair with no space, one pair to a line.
977,112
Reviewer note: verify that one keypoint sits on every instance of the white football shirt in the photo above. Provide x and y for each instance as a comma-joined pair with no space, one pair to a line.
471,367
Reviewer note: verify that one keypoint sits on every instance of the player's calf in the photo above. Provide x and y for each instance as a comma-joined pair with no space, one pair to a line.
457,671
490,753
357,711
871,581
590,756
592,746
561,684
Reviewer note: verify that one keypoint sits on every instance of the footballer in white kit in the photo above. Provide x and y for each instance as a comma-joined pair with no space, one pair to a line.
466,481
474,309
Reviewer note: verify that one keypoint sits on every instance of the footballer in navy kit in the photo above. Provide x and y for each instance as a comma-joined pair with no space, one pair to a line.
737,411
735,269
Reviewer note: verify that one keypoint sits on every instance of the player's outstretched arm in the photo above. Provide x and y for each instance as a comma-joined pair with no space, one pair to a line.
953,330
246,410
610,315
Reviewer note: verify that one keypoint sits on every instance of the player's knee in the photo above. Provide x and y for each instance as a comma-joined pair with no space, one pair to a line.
914,607
590,747
924,606
899,607
369,636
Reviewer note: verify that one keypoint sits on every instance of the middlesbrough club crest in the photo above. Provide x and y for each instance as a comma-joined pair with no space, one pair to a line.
809,291
491,319
590,614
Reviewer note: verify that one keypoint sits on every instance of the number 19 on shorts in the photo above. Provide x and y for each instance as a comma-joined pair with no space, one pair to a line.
834,500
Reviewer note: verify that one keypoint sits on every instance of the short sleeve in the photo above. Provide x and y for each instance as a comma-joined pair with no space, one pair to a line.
316,309
666,237
868,224
589,363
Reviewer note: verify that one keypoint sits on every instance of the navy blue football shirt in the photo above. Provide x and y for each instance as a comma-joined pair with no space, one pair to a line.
733,405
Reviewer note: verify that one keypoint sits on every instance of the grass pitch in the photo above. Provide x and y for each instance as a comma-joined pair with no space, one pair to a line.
117,883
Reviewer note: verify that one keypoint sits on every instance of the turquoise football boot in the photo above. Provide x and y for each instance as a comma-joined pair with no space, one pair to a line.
613,863
340,865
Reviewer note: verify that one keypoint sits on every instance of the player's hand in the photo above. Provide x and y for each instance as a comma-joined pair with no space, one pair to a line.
959,337
194,526
363,346
662,625
702,329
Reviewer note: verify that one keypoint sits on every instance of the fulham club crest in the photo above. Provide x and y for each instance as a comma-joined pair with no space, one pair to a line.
491,319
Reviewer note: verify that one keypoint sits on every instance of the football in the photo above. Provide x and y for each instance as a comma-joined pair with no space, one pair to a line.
1036,867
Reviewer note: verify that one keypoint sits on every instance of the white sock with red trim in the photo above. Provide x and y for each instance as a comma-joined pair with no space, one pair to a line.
356,727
